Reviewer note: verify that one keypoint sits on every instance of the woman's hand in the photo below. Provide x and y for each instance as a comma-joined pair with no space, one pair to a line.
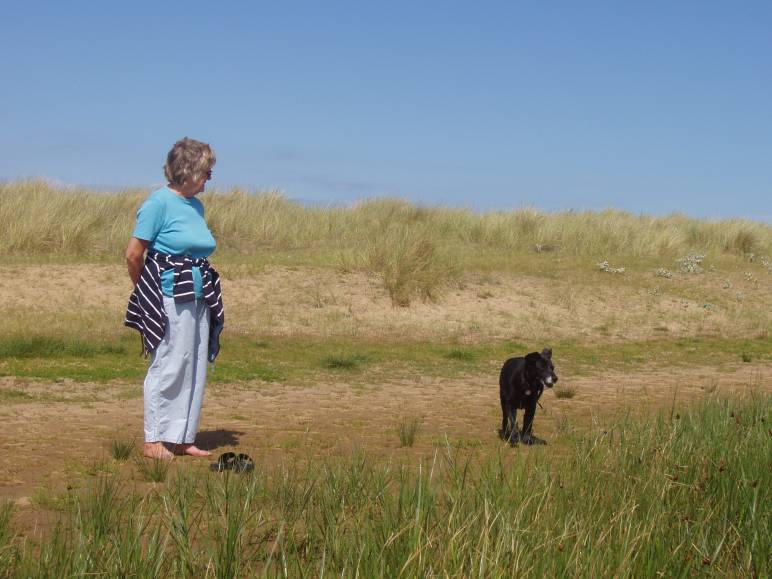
135,258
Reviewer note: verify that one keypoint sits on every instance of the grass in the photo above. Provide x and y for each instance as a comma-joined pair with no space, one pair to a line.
677,494
42,346
407,429
7,553
100,467
344,361
15,395
121,448
153,469
565,392
461,355
292,360
390,234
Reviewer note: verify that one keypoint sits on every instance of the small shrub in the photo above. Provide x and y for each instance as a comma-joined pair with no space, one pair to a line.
410,263
691,263
121,448
407,429
742,243
662,272
565,392
605,266
747,357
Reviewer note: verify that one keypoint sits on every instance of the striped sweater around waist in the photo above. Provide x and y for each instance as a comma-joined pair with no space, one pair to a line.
145,311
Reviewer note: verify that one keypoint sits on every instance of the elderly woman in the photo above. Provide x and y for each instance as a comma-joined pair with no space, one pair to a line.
176,304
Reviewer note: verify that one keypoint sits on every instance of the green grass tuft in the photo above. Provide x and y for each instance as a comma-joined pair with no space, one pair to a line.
461,355
121,448
565,392
344,361
407,429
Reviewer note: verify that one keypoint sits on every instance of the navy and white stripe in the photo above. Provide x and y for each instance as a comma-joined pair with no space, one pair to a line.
145,311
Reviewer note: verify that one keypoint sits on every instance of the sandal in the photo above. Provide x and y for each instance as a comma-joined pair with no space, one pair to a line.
229,461
226,462
244,463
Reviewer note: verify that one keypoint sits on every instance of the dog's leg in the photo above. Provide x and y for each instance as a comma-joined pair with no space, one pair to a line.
512,435
527,437
504,432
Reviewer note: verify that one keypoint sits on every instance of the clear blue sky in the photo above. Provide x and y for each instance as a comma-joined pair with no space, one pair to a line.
643,106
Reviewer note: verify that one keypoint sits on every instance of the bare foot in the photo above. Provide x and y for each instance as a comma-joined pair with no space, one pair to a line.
191,450
157,450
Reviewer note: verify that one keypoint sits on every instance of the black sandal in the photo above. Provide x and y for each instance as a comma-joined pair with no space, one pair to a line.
244,463
226,461
230,461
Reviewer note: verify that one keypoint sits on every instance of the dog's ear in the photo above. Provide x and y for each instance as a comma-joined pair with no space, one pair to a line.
547,353
532,358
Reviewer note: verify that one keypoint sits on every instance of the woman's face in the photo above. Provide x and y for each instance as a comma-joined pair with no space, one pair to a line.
201,183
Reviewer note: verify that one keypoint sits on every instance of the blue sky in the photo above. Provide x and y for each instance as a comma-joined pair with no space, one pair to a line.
648,107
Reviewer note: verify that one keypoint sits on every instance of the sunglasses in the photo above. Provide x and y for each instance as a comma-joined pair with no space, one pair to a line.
208,174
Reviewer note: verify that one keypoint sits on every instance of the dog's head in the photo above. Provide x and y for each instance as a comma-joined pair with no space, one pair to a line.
539,368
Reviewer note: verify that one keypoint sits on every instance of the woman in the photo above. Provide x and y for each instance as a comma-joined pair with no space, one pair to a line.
176,304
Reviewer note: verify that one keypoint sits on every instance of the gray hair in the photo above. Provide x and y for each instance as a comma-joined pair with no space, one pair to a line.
188,160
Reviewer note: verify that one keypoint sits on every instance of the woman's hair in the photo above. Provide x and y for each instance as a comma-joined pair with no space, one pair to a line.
189,160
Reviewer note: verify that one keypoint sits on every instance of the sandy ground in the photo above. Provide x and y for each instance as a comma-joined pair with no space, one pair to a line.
313,301
44,446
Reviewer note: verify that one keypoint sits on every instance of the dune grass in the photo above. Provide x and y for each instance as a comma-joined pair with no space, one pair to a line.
40,219
417,251
677,495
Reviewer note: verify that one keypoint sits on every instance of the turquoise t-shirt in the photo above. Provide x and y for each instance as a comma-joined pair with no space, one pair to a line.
175,225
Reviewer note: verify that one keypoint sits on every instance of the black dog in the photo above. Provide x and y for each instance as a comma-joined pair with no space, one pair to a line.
521,384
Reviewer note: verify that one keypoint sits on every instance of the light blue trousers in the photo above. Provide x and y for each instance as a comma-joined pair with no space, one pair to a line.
174,385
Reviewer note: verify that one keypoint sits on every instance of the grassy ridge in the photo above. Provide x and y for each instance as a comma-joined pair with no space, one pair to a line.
417,251
38,219
679,495
292,360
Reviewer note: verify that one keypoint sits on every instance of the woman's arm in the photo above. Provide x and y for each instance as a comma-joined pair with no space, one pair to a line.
135,258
